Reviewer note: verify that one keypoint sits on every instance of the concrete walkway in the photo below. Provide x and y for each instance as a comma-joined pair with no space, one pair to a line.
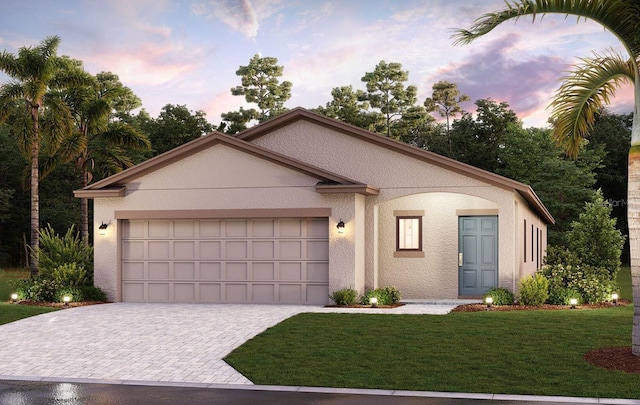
170,343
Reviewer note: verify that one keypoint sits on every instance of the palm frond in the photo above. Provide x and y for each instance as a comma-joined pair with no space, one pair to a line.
583,92
57,122
621,17
123,135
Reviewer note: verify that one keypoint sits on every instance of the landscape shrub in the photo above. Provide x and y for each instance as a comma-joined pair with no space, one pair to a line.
559,295
591,283
500,295
385,295
36,289
81,293
56,250
70,275
533,290
345,296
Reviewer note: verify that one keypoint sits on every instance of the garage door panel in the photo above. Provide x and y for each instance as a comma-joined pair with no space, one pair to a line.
184,249
290,249
236,271
226,261
159,229
158,271
235,249
317,249
158,292
318,272
290,271
158,249
184,271
263,271
210,271
263,250
210,249
209,292
236,292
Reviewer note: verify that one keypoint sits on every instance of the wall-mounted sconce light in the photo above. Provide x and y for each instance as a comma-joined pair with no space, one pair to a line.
103,228
340,226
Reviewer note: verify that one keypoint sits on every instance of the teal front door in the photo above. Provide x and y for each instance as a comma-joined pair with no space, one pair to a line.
477,255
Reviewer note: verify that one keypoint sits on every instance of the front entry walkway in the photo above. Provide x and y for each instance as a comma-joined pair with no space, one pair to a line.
181,343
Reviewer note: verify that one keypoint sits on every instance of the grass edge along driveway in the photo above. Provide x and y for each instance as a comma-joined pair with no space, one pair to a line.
518,352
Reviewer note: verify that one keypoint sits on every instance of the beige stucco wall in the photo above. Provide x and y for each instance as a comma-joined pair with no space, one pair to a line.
408,183
223,178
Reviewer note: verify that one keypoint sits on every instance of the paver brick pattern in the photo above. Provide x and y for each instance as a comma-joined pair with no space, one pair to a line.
146,342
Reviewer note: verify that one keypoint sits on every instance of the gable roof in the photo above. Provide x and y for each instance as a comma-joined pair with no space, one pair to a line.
296,114
328,182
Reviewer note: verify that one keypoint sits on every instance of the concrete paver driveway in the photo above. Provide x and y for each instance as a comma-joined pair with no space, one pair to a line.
182,343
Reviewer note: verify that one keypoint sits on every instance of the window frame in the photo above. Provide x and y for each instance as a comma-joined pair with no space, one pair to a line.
400,218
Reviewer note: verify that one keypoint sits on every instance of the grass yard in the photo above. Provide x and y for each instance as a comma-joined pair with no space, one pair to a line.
515,352
6,275
11,312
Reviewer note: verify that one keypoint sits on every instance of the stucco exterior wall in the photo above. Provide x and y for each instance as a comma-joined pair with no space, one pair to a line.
222,178
406,183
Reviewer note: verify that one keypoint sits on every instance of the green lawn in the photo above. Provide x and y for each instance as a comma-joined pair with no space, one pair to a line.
12,312
518,352
6,275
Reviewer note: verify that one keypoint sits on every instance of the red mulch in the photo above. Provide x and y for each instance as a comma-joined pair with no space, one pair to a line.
548,307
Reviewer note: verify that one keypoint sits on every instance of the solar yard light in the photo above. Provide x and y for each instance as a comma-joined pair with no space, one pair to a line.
14,298
488,301
373,301
614,298
573,302
66,299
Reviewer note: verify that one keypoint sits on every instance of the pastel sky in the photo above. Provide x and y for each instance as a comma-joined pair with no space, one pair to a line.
187,52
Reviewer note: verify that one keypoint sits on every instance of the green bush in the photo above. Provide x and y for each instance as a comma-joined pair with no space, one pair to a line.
560,255
81,293
533,290
562,295
37,289
56,250
346,296
70,275
385,295
500,295
594,237
592,283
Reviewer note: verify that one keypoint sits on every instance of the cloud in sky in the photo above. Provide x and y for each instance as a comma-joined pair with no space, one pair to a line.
170,51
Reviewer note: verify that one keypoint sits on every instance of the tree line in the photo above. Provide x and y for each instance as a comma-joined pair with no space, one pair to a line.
63,129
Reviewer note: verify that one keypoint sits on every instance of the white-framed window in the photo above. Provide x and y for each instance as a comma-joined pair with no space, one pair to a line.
408,233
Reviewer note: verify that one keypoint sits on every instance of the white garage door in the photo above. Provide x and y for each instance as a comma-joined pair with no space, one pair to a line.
226,261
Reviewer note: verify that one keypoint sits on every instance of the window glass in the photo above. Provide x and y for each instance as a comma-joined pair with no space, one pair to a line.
409,233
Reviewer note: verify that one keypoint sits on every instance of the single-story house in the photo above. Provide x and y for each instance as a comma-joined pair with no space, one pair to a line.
303,205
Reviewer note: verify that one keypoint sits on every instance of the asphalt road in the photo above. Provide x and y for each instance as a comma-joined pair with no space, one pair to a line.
62,393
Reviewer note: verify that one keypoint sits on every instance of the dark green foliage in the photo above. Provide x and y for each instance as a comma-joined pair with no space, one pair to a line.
594,237
592,283
559,295
385,296
56,251
533,290
70,274
175,125
81,293
346,296
41,288
500,295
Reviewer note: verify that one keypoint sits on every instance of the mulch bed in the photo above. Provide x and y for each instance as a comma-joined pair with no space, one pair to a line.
58,304
547,307
399,304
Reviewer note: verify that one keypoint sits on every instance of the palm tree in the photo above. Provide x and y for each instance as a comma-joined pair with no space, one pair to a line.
98,142
34,71
587,88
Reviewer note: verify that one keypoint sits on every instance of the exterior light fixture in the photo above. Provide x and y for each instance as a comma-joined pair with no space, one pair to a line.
573,302
488,301
614,298
373,301
103,228
340,226
14,298
66,299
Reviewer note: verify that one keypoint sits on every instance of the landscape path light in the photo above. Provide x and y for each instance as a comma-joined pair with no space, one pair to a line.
373,301
614,298
573,302
14,298
488,301
66,299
